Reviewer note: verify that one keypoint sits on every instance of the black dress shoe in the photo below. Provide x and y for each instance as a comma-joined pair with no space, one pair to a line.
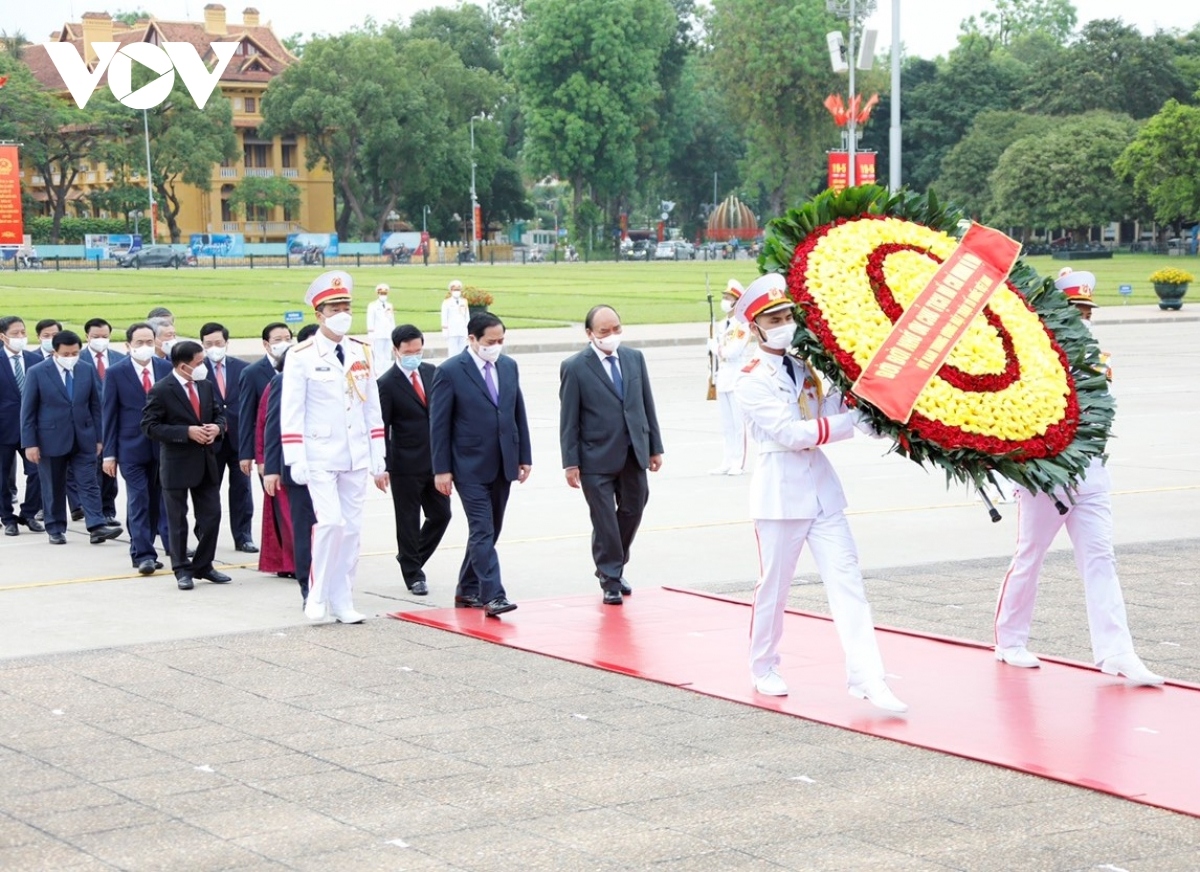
626,590
191,553
76,514
499,606
418,588
58,539
10,529
146,567
157,564
34,525
215,577
105,532
467,602
248,548
185,582
613,598
285,575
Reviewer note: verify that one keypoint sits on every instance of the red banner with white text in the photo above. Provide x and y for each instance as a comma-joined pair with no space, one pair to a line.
11,227
925,334
864,168
839,170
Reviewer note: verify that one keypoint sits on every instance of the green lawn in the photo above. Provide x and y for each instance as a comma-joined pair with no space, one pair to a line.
533,295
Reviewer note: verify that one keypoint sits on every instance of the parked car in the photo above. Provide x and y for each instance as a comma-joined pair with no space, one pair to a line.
641,249
675,249
154,255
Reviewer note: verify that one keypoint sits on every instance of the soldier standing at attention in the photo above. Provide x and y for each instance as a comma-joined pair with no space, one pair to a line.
332,435
732,348
455,315
796,498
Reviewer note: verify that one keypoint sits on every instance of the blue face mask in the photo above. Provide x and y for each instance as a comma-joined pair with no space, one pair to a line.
410,362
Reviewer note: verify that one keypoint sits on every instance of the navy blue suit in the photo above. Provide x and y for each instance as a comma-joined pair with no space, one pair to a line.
241,501
136,456
251,384
66,430
299,500
10,441
108,483
483,444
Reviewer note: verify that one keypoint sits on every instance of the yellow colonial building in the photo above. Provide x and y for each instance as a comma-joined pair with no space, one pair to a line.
258,58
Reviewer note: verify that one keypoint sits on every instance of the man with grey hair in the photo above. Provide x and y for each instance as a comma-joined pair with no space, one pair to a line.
164,337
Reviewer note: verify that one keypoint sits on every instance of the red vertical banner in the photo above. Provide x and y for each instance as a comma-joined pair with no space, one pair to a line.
476,221
11,228
839,170
864,168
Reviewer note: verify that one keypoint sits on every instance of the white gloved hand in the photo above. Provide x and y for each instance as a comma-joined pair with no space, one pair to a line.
299,473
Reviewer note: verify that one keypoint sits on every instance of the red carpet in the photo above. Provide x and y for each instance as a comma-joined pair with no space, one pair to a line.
1064,721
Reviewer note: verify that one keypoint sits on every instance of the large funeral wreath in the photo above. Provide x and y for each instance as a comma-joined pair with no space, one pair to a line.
1022,393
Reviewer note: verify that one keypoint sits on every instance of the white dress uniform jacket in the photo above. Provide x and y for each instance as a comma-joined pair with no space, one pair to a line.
733,352
329,411
381,321
794,479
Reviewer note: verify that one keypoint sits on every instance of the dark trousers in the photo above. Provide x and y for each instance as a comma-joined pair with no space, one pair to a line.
52,471
303,519
145,511
616,503
415,543
483,504
8,476
241,501
206,499
108,490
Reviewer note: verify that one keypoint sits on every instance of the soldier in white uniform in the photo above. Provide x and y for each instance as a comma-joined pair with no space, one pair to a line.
332,434
455,315
381,321
795,497
1089,524
732,348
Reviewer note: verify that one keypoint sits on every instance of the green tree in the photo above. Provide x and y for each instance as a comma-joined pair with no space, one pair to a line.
467,29
1163,163
131,17
266,193
968,166
1112,68
586,76
1010,19
1065,178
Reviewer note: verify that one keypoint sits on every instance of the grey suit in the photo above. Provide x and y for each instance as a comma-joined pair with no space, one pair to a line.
610,435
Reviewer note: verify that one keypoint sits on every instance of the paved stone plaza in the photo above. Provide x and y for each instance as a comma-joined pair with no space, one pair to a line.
145,728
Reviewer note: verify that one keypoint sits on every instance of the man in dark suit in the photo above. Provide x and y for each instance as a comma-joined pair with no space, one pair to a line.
276,339
126,447
403,399
97,353
13,375
276,473
480,440
60,430
224,373
184,415
609,436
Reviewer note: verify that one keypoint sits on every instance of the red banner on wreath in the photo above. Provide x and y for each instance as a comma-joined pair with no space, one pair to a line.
839,170
11,227
925,334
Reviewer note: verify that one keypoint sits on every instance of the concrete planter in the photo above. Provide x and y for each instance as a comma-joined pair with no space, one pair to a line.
1170,295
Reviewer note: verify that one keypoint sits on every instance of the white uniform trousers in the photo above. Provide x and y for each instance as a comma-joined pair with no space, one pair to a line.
381,355
455,344
779,545
733,428
1089,524
337,499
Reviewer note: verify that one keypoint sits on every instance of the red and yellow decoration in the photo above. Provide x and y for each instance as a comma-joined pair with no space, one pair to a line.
11,226
999,391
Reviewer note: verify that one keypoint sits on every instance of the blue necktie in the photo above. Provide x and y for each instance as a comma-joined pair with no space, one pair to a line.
19,373
340,354
791,369
70,382
618,382
490,381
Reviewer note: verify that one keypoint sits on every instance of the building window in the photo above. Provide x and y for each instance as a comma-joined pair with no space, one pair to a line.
251,105
288,156
291,213
255,212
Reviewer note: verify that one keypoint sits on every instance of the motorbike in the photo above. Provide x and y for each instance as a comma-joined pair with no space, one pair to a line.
572,254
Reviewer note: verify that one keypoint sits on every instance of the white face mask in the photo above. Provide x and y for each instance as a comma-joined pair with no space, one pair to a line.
779,338
382,298
17,343
48,345
278,348
67,363
199,373
340,323
216,354
167,345
727,306
489,353
608,344
99,345
456,294
142,353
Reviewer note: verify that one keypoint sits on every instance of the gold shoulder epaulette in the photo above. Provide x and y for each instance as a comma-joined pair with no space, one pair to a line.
307,343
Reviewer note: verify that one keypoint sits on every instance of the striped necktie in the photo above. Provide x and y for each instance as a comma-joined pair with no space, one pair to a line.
19,372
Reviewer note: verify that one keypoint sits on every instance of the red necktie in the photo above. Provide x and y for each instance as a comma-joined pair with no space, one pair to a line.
195,399
146,379
417,387
221,378
100,365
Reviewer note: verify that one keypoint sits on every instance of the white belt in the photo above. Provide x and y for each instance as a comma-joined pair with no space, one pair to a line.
776,448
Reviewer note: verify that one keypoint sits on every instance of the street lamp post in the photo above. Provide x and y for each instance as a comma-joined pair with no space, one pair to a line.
149,175
894,134
475,234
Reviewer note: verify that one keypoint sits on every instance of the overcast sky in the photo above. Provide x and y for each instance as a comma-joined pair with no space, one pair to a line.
928,27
